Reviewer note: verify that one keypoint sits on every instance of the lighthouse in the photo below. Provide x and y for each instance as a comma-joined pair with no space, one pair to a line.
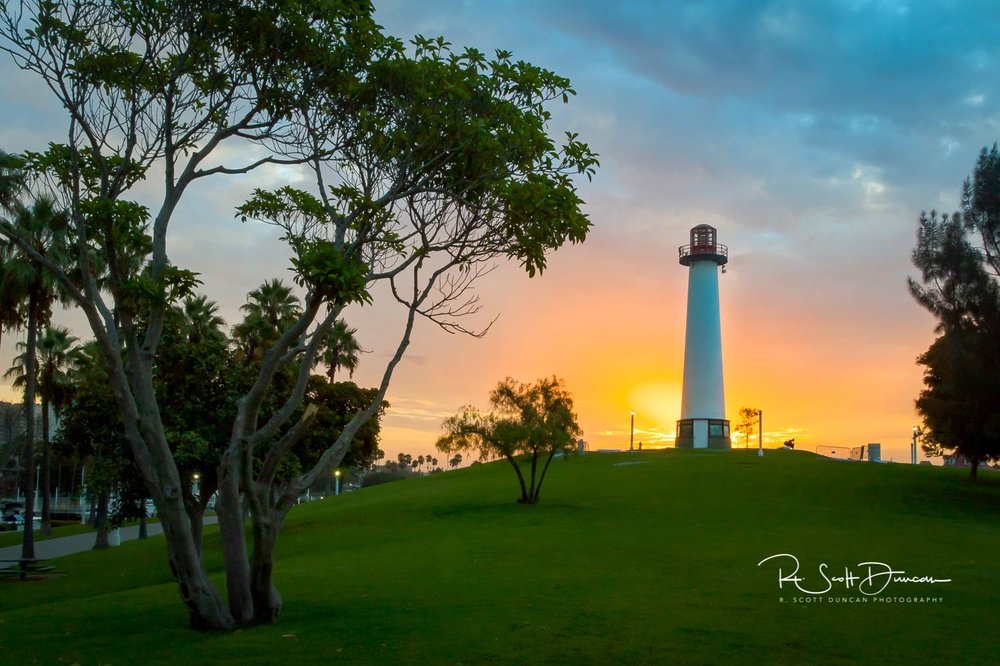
703,423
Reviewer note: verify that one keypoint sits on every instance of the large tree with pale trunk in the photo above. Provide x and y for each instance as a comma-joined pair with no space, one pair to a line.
427,165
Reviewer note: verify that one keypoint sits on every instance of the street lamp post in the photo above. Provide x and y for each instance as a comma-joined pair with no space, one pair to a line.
83,495
631,436
760,433
913,447
336,475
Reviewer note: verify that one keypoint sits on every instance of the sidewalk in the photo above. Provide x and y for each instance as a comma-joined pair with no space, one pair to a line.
79,543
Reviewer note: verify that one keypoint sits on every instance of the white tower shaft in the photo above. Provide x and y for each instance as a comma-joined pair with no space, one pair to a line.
703,396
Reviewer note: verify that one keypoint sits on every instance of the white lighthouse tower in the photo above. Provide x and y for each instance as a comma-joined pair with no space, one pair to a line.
703,423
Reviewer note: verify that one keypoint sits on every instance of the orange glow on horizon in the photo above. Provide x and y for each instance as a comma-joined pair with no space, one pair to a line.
820,377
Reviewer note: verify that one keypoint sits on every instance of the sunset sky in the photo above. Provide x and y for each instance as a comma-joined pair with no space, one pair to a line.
810,134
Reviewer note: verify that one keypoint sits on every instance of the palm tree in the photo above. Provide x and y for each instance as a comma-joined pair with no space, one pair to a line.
11,179
11,187
44,227
11,298
55,355
269,310
201,319
341,349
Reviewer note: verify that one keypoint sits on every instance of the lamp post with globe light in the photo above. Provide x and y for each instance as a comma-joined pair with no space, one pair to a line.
631,435
760,433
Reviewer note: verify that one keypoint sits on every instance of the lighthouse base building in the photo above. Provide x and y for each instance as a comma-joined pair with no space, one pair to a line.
702,434
703,423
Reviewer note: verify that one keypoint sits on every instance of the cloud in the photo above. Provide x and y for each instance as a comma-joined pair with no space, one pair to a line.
422,411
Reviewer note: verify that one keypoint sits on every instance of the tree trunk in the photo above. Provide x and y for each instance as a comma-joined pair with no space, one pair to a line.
974,470
197,515
101,521
46,472
46,495
148,441
205,607
28,544
143,532
266,599
538,489
196,508
520,479
229,509
531,486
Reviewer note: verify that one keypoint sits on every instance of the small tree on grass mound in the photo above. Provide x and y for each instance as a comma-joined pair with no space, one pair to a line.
748,424
529,425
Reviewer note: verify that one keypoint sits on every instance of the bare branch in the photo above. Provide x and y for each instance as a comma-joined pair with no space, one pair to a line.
281,416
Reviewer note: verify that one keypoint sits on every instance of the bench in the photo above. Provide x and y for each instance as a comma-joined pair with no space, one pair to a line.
23,566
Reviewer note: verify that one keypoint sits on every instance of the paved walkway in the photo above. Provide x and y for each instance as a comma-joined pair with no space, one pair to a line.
78,543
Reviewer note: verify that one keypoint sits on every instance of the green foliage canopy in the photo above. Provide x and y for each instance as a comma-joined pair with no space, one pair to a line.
529,424
959,261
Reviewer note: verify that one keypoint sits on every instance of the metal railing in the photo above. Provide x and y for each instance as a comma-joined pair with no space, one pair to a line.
689,250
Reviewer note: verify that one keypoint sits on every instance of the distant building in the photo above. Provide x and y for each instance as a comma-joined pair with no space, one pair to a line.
957,460
11,434
872,452
11,422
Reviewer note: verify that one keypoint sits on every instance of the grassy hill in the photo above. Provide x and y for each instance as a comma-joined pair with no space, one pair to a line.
631,558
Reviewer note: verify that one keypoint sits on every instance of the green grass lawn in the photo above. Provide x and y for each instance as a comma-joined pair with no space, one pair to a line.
641,563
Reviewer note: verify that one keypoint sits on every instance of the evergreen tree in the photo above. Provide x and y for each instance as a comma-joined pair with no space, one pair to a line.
959,260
